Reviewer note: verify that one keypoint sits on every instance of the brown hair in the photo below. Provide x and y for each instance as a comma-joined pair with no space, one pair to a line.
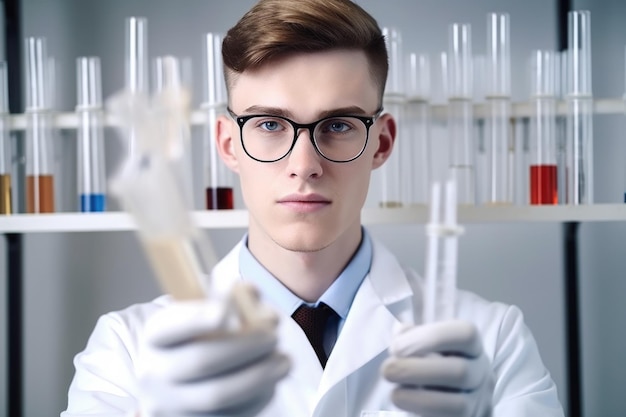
275,28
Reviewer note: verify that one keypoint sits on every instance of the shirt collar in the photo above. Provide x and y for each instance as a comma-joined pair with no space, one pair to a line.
338,296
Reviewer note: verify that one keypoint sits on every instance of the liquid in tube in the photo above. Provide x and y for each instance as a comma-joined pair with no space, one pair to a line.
219,198
40,193
543,184
5,194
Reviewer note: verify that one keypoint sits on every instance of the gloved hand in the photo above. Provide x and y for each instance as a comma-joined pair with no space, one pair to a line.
195,360
441,369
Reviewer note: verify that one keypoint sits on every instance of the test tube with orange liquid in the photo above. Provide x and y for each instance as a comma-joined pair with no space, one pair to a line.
218,180
543,145
5,145
39,154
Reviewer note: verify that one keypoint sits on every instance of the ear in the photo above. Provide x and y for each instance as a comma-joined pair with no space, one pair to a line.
386,138
225,130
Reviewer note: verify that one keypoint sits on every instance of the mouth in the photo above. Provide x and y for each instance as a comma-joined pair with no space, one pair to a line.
305,203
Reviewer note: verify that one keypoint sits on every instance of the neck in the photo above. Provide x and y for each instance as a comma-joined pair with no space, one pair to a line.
308,274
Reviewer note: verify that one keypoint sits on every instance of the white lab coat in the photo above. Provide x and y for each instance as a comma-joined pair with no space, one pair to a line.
105,380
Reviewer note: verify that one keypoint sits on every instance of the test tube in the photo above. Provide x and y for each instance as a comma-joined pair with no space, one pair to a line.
481,161
440,277
39,155
579,102
418,158
218,180
460,113
543,174
168,75
393,103
498,142
91,168
6,206
136,63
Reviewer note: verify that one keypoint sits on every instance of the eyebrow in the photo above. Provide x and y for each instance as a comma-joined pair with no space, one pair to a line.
277,111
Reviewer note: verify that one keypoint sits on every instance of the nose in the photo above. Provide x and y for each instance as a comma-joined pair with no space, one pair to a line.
304,161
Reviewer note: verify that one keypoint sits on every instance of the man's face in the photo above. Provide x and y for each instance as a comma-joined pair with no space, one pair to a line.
304,202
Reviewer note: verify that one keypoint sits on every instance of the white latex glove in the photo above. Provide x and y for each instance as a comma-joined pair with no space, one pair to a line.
441,370
195,360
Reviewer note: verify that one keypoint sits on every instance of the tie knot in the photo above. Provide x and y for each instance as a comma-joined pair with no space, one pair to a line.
313,322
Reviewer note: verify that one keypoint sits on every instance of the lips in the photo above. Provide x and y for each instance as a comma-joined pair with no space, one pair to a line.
304,203
304,198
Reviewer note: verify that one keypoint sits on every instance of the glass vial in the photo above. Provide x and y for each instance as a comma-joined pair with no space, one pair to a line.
91,162
418,157
39,153
543,164
136,63
460,112
579,102
219,187
393,103
6,200
499,142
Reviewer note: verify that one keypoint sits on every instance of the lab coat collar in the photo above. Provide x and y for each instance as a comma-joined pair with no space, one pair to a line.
368,329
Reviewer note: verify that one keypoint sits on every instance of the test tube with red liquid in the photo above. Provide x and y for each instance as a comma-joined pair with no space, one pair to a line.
218,179
543,166
39,154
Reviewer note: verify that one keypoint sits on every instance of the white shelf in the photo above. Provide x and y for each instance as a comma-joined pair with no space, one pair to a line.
229,219
69,120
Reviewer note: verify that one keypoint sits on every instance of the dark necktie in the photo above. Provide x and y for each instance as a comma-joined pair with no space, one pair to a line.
313,321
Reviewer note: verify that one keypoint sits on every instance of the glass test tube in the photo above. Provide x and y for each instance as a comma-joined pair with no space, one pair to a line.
579,102
393,103
480,161
460,114
417,118
218,182
499,142
543,173
91,168
561,127
168,75
39,155
136,63
6,206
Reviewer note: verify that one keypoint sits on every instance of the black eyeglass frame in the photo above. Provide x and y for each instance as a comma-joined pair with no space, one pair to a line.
368,121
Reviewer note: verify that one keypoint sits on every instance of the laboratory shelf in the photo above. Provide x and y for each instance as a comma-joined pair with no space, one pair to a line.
232,219
198,117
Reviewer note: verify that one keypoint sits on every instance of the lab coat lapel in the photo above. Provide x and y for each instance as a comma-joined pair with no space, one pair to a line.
368,328
304,378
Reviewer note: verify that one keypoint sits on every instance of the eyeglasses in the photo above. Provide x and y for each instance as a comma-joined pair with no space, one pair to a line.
268,138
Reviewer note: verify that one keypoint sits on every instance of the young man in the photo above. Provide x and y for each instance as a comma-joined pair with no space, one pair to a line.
305,130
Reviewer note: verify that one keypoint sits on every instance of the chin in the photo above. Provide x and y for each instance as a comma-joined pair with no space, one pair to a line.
298,240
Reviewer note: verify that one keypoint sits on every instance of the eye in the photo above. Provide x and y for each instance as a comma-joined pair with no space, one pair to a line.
269,124
337,126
